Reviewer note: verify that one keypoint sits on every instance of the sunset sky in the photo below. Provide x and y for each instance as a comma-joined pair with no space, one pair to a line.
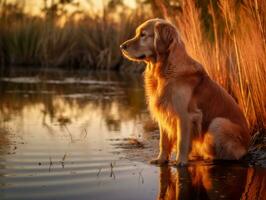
34,6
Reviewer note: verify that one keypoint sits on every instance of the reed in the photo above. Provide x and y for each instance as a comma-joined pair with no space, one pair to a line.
90,42
236,54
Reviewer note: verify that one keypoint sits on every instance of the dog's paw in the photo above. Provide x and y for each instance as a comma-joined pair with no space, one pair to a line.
159,161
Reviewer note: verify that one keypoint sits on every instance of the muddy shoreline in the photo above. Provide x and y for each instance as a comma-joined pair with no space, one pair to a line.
147,148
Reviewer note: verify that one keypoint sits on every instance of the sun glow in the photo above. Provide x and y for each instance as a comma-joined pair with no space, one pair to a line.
34,7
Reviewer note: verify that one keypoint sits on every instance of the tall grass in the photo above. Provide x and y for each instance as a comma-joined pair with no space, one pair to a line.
91,42
236,55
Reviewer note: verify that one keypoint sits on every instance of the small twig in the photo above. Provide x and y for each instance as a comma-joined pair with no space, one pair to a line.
69,133
64,157
50,164
98,174
71,137
86,133
141,176
63,160
112,174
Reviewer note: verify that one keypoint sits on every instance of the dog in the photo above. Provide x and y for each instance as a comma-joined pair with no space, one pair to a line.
196,116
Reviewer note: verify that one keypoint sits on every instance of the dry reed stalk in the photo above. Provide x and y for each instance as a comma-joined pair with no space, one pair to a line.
236,58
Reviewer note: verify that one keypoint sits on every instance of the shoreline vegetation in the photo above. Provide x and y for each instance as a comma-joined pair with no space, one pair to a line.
227,37
59,39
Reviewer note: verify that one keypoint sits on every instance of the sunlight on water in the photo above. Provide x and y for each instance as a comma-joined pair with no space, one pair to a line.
60,139
56,137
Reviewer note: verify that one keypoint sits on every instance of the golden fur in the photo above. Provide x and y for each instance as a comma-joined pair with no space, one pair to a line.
196,116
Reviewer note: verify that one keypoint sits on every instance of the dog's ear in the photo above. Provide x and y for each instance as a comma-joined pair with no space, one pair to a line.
166,38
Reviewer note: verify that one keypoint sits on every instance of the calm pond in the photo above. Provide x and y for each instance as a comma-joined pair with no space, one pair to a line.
65,136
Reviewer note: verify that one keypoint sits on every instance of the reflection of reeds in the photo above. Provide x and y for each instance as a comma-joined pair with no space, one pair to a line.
255,185
56,108
235,53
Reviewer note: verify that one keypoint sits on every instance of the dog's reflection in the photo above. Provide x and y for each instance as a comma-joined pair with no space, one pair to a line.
210,182
184,183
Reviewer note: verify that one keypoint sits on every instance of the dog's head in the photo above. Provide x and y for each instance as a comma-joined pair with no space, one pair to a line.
153,40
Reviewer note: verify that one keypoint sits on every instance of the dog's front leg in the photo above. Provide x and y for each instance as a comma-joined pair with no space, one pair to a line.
180,102
165,148
183,140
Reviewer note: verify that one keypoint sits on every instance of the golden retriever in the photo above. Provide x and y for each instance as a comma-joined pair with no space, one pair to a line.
195,115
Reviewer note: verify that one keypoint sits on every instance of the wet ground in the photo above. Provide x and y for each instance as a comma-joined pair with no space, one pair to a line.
81,136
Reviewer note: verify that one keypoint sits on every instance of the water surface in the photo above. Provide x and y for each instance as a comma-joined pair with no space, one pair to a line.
61,136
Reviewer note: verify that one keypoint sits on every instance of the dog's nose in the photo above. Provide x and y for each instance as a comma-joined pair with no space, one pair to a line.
123,46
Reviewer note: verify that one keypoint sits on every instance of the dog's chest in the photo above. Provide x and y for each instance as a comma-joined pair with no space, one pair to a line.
151,86
158,99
